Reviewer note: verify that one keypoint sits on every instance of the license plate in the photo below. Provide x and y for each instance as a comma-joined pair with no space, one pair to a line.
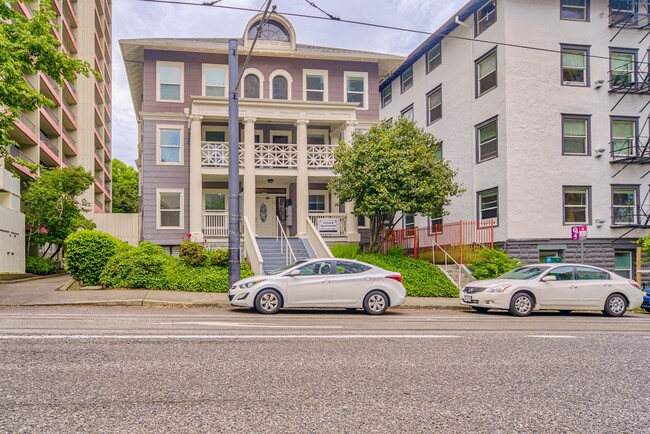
467,298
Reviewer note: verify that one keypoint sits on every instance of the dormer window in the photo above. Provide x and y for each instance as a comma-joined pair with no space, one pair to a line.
271,31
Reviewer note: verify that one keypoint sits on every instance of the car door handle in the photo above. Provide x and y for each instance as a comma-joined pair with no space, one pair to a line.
608,284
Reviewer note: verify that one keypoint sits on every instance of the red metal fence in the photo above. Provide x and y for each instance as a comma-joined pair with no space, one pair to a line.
462,233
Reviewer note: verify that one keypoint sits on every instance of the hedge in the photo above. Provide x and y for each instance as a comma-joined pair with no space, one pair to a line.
88,251
40,266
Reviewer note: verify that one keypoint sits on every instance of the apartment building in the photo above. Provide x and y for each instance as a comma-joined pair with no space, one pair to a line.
75,132
542,107
296,102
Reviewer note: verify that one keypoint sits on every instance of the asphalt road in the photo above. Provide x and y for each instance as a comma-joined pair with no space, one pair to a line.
208,370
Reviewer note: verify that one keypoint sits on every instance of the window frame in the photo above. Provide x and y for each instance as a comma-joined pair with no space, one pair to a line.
587,9
356,74
390,95
181,220
587,119
409,108
477,128
631,263
213,66
587,74
479,211
311,195
437,59
260,77
436,90
403,82
636,207
477,29
635,65
477,80
635,138
159,98
221,192
288,77
316,72
181,150
588,213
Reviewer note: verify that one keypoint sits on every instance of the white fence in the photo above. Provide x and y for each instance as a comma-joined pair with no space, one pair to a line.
126,227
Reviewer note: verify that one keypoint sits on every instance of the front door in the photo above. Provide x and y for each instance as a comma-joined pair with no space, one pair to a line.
265,215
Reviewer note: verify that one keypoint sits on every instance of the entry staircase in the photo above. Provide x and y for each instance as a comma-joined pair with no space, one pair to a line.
274,251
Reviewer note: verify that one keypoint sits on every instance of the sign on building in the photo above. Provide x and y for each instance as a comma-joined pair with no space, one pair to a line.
328,226
578,233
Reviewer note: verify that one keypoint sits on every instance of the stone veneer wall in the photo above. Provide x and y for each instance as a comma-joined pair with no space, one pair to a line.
599,253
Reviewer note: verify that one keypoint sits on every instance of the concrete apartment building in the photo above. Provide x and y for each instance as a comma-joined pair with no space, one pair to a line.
296,102
76,132
544,138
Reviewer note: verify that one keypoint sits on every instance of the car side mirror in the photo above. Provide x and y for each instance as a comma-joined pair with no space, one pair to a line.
549,278
294,273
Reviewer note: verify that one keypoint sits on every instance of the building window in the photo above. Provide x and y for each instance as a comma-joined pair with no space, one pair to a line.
575,135
486,73
623,263
488,205
406,79
280,87
315,85
409,221
271,31
576,205
574,10
317,203
623,137
170,141
623,68
408,113
214,80
251,86
485,17
575,66
356,88
434,57
170,81
622,12
435,225
215,202
434,105
362,221
487,140
386,95
624,204
170,215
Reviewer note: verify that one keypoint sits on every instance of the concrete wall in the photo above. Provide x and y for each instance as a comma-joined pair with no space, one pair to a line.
12,241
122,226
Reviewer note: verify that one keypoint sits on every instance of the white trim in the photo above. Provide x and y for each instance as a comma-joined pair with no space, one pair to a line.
205,128
321,72
215,191
326,203
284,74
210,66
284,133
160,63
182,210
319,132
364,75
259,75
182,144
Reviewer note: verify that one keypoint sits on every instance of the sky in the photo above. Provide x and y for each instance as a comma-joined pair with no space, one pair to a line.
140,19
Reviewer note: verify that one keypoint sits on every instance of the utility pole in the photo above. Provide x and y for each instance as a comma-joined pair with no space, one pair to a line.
234,265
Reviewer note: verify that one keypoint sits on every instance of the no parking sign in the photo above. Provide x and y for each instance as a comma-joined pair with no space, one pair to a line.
578,233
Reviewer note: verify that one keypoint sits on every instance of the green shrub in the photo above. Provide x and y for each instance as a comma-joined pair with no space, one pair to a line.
218,257
493,263
192,253
40,266
87,252
348,251
142,267
398,251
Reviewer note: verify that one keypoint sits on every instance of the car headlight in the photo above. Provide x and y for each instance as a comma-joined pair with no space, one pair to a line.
497,289
250,284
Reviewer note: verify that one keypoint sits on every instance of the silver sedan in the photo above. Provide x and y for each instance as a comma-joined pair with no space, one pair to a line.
321,282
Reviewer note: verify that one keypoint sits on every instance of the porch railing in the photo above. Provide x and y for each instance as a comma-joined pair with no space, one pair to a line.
268,155
275,155
320,156
330,225
215,224
285,247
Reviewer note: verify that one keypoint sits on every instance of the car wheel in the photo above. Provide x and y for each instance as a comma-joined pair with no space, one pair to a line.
615,305
565,312
480,309
267,301
521,304
375,303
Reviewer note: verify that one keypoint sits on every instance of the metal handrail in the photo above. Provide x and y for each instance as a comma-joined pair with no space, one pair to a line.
282,236
447,255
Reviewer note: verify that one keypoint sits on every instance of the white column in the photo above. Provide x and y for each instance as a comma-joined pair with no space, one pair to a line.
302,181
249,171
196,180
352,224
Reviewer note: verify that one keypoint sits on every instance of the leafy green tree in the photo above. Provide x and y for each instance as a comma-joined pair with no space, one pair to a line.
28,46
52,211
393,167
125,188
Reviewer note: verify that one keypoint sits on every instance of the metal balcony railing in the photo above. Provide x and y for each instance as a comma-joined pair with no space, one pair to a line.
49,144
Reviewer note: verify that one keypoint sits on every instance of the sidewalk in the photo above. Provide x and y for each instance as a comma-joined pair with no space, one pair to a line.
45,292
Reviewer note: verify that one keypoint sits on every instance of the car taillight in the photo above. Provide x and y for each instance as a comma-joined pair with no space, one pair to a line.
395,277
634,283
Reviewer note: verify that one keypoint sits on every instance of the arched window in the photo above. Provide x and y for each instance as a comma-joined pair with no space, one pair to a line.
271,31
280,87
251,86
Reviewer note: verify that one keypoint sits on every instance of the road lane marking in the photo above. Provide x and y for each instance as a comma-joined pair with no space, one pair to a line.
551,336
235,324
223,337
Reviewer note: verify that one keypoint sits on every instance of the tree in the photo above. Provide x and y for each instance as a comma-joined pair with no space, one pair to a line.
52,210
125,188
28,46
393,167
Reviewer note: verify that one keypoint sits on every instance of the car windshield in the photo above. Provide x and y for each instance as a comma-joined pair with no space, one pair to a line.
524,273
285,268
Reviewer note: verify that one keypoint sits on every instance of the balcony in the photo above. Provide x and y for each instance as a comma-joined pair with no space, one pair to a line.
69,118
48,143
215,224
216,154
269,155
629,14
630,150
70,93
69,38
22,171
24,131
49,122
70,13
50,88
69,144
320,156
330,225
99,204
629,217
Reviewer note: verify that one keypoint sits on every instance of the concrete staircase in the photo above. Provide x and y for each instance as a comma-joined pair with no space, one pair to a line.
451,271
274,259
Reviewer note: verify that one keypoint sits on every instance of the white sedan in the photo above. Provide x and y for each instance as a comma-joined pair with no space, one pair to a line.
321,283
563,287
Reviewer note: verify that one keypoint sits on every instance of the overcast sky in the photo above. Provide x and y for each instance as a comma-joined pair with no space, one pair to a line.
138,19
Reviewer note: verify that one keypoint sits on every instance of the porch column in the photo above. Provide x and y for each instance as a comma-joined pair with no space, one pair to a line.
249,171
302,181
351,224
196,179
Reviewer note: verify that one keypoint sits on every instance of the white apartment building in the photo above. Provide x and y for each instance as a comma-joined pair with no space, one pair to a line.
542,107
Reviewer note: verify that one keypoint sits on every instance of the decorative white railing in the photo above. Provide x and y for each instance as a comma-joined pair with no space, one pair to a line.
285,247
251,249
276,155
320,156
215,224
215,154
330,225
